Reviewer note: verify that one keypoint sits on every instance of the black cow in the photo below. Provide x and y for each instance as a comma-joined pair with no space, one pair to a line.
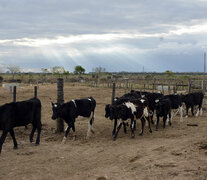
163,108
176,104
20,114
136,108
152,97
191,100
117,101
71,110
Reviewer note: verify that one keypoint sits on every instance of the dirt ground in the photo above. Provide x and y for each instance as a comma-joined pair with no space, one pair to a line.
177,152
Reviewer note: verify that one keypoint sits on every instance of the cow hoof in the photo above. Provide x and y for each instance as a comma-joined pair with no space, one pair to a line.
37,144
133,136
150,131
114,139
15,147
140,134
74,138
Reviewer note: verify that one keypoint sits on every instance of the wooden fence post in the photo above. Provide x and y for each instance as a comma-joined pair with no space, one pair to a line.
35,91
14,94
60,99
189,86
113,92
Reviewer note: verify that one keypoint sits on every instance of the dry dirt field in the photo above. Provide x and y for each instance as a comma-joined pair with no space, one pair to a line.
178,152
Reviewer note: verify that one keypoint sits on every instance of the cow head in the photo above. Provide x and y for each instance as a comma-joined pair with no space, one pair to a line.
56,108
107,110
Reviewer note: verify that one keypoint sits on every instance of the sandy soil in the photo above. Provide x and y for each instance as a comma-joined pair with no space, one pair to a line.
178,152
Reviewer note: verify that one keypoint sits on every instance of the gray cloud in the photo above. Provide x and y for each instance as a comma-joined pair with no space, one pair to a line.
118,35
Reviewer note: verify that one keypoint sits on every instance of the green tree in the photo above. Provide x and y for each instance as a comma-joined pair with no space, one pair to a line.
169,73
79,70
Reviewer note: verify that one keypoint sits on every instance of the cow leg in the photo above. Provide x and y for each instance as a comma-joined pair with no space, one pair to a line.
114,130
157,124
132,128
181,113
170,119
192,110
124,126
13,137
142,130
38,135
164,121
149,125
2,139
187,107
90,125
67,129
74,134
118,128
198,112
32,133
172,115
151,116
201,111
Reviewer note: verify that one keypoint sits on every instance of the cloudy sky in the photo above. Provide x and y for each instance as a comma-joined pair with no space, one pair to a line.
119,35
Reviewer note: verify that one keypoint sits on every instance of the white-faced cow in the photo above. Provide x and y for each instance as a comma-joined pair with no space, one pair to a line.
20,114
69,111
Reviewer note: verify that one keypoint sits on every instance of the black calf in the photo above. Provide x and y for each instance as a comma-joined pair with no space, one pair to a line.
191,100
163,108
20,114
71,110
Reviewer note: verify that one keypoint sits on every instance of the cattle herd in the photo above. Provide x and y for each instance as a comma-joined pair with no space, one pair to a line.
131,106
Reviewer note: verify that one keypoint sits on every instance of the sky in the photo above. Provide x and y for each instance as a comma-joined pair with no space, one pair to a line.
119,35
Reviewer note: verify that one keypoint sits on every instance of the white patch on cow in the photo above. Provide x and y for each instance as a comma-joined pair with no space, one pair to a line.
142,100
147,124
142,96
66,128
133,125
201,112
89,99
145,112
172,115
115,99
186,116
64,139
177,110
131,106
167,120
197,113
157,100
55,105
74,102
